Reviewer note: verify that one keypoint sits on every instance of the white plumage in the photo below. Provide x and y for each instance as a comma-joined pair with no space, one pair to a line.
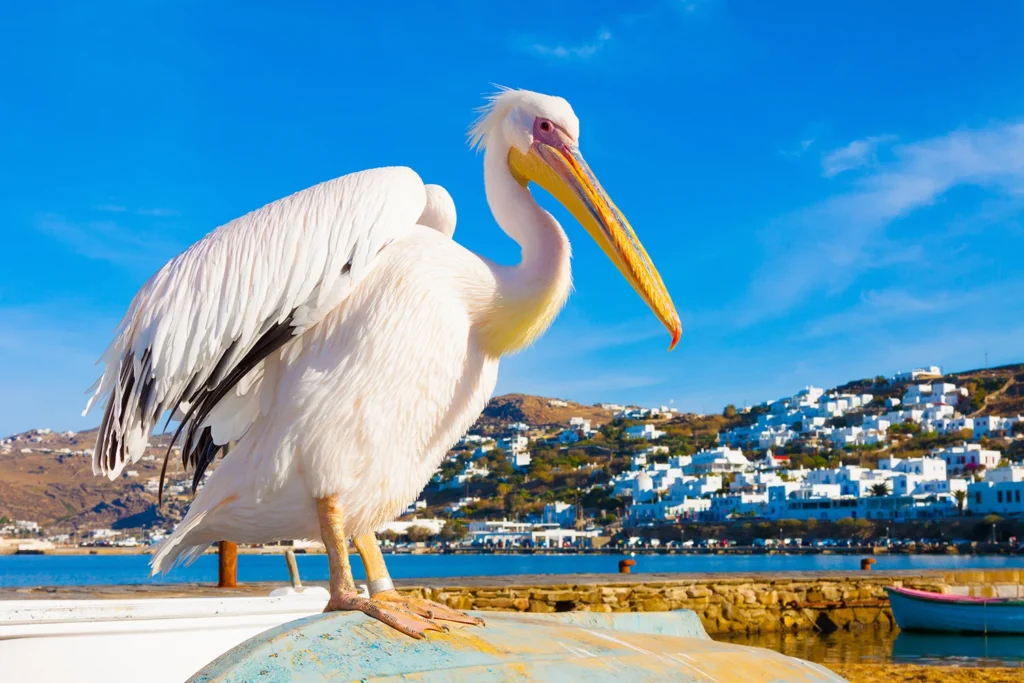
344,341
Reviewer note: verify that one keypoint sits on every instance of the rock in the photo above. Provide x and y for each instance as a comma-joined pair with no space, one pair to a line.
494,603
654,605
831,593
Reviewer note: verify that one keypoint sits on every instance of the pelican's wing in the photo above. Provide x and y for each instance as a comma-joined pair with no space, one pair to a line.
203,324
439,213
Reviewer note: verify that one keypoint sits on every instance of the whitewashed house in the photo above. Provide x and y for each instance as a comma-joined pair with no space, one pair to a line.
645,431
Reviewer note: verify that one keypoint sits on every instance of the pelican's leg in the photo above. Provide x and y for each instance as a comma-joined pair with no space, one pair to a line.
382,590
344,596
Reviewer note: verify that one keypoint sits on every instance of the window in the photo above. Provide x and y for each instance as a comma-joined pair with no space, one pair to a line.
977,497
1016,494
999,496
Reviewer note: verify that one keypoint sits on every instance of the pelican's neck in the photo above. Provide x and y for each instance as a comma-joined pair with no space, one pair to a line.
530,294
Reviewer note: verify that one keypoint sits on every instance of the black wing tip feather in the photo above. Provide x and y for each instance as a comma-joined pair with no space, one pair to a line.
111,447
199,448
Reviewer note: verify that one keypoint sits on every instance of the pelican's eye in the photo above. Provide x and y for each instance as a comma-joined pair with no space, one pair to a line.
545,126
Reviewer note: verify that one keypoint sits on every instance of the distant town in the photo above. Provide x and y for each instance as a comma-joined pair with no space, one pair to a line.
915,459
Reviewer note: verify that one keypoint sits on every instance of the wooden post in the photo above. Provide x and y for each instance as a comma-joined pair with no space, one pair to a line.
227,552
293,568
227,564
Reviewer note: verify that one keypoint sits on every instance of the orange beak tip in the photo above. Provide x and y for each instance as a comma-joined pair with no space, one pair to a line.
677,332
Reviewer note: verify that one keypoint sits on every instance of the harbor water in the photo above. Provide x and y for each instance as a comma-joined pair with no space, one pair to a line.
85,570
872,646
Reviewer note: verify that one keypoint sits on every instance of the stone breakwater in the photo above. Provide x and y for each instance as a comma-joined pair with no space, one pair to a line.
754,603
725,603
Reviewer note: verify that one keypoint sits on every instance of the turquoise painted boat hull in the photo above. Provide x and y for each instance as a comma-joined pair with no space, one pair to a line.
916,610
997,649
554,648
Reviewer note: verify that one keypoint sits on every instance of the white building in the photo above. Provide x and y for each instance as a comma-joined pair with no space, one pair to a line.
1001,493
694,487
580,424
434,526
917,373
928,468
719,460
665,510
414,506
521,461
514,444
469,472
562,514
644,431
969,456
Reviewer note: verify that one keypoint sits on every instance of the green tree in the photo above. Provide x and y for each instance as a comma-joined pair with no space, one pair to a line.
729,412
879,489
453,531
978,399
960,495
418,534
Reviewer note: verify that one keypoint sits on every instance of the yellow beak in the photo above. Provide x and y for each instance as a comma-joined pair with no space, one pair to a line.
563,172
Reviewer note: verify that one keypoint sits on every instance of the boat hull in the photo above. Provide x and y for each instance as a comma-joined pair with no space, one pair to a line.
669,647
126,641
933,612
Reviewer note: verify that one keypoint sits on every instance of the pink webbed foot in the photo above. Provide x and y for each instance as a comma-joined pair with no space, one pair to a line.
407,622
427,608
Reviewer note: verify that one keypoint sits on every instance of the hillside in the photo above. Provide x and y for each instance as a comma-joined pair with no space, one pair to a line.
53,482
1003,388
538,411
46,478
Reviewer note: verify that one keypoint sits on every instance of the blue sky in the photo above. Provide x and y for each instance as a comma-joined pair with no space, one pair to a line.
830,190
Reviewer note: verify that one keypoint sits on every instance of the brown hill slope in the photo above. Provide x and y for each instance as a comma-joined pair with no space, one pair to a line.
1003,386
539,411
42,483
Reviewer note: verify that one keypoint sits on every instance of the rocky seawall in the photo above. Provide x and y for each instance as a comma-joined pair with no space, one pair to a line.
725,603
753,603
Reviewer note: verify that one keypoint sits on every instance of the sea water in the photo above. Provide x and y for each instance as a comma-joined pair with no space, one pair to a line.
83,570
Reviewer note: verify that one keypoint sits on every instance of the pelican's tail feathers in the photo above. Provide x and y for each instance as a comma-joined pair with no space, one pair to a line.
181,547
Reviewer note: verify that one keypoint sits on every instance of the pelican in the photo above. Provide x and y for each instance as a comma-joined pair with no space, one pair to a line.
345,342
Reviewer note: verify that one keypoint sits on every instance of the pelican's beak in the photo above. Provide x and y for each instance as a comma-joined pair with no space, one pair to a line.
561,170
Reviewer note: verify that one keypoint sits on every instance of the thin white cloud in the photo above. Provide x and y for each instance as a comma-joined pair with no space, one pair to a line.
106,241
883,308
826,246
158,212
854,155
561,51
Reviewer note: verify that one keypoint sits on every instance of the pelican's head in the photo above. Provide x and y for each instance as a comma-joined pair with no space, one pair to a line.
542,134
